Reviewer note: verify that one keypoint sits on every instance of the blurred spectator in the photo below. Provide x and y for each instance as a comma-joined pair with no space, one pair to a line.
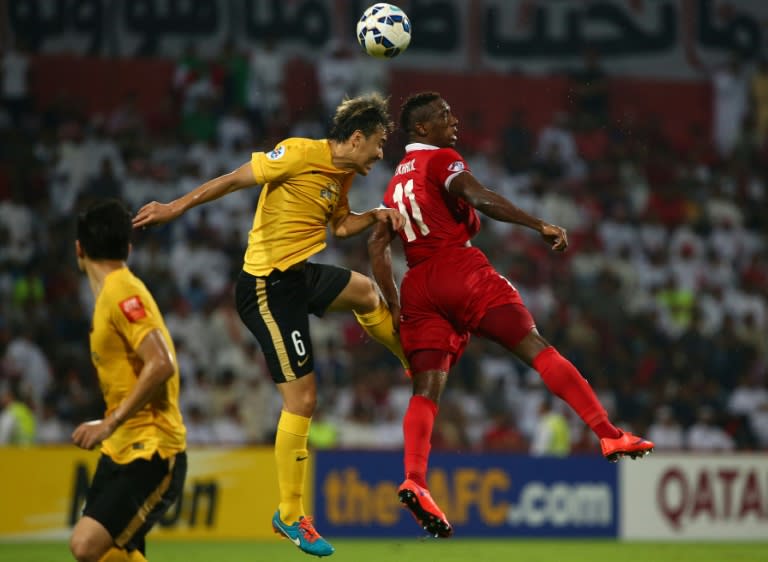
265,83
504,436
104,184
552,436
191,79
324,432
231,69
706,435
199,428
730,98
17,234
17,421
51,429
228,428
336,76
590,88
517,144
15,75
126,120
665,431
556,144
25,361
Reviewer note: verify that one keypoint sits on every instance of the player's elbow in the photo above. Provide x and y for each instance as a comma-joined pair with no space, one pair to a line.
163,369
341,232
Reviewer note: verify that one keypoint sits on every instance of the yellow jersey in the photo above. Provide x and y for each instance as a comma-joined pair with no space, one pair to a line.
124,314
303,191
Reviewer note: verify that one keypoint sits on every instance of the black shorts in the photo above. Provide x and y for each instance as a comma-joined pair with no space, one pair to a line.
276,310
128,499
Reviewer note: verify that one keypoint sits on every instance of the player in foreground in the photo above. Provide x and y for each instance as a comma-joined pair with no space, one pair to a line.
451,291
143,440
305,189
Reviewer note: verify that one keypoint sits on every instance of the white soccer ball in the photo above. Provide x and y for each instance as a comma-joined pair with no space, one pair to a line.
384,30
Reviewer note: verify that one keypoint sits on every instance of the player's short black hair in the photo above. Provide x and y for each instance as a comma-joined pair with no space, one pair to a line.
364,113
104,230
414,109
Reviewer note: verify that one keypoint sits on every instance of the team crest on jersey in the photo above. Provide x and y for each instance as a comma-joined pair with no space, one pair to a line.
330,192
133,308
277,153
457,166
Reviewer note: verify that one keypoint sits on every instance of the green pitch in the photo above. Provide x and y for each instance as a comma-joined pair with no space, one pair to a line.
415,550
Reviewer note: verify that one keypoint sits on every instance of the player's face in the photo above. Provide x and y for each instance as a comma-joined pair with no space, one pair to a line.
443,126
369,150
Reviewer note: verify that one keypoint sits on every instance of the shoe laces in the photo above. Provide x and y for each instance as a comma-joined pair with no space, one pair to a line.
306,525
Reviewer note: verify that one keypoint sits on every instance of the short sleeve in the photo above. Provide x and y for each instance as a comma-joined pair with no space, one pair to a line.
284,161
133,319
446,165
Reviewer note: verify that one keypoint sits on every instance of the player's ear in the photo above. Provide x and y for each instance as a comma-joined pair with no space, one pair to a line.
357,138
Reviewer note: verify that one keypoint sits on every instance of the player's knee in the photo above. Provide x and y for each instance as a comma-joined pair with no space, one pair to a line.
82,549
308,404
369,299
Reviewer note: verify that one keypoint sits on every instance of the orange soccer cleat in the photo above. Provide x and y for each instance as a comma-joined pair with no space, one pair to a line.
424,509
628,445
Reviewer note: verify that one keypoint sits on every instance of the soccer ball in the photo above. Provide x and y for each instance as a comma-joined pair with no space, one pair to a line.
384,30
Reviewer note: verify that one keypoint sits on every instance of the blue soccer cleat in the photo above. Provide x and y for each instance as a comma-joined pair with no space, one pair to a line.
303,534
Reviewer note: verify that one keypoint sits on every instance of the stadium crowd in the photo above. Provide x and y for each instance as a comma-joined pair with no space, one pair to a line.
661,300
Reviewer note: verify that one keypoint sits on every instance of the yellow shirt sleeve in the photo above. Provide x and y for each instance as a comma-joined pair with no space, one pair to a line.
133,319
286,160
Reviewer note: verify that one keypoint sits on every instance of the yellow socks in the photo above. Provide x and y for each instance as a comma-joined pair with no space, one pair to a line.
378,325
291,458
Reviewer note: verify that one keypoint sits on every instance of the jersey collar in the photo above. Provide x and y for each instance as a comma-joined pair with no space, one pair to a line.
419,146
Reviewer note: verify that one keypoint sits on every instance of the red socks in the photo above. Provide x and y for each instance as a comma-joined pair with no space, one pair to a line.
417,429
565,381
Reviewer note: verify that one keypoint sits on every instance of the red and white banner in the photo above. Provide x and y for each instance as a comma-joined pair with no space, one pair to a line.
718,497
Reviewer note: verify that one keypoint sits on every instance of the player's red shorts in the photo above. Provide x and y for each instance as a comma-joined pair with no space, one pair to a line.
444,298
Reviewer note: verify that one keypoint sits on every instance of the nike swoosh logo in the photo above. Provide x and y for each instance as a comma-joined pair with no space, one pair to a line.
304,362
296,541
301,458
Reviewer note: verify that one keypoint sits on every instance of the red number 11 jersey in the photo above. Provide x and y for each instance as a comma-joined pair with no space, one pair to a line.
435,218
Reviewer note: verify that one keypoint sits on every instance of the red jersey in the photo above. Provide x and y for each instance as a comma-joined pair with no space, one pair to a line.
435,218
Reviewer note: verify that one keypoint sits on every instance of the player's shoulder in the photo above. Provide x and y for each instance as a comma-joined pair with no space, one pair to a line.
122,284
434,153
124,293
447,159
294,148
303,144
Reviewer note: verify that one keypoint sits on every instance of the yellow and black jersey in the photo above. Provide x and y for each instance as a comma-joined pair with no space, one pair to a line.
303,191
124,314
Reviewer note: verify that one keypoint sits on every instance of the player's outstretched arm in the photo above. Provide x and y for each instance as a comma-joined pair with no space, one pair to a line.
380,254
501,209
355,223
159,213
158,367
